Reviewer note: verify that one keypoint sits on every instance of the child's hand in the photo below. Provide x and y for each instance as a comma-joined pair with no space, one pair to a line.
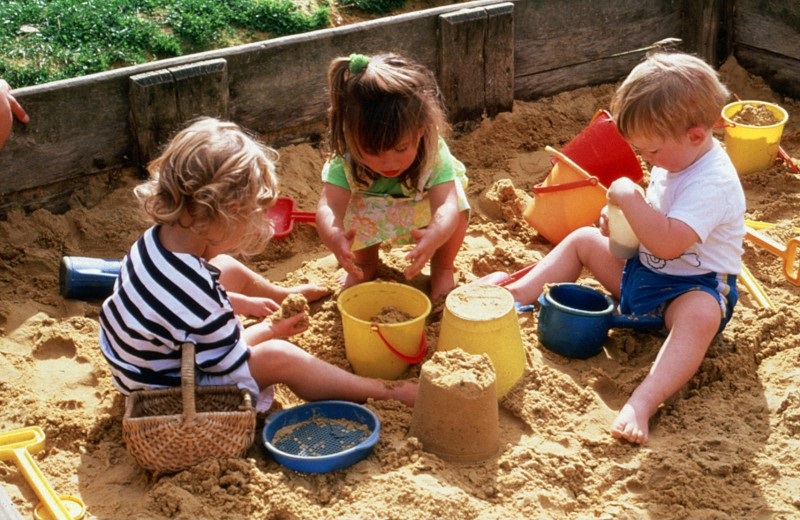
422,252
252,306
603,222
342,250
623,190
290,326
267,329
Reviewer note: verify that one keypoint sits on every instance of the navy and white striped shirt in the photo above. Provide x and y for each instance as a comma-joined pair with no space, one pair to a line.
161,300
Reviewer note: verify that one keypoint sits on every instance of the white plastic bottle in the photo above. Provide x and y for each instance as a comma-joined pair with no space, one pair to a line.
622,240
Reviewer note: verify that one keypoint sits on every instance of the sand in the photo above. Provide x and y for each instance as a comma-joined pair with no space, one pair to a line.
725,447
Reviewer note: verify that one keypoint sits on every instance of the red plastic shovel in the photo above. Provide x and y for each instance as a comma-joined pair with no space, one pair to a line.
284,216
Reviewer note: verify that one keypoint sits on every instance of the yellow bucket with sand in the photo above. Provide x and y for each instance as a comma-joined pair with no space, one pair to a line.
568,198
374,345
482,319
753,148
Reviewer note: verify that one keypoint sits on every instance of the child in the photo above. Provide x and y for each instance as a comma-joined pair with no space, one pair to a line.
390,171
209,195
690,226
9,109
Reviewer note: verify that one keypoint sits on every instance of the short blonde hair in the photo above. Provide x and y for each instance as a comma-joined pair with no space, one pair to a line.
212,172
375,106
667,94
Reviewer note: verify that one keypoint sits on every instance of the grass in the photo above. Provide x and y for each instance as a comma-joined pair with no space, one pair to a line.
48,40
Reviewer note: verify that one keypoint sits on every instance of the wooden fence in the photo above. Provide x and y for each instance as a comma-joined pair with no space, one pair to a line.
485,53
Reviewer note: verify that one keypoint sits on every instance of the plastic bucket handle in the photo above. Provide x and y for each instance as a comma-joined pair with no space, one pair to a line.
411,360
590,181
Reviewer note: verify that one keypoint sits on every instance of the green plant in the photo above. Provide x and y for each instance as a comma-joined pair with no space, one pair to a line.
374,6
46,40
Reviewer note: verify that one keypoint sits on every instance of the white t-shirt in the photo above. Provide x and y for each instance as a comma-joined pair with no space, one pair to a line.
708,197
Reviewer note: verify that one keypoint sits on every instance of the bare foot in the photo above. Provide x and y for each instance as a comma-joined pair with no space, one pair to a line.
312,291
368,274
630,425
404,391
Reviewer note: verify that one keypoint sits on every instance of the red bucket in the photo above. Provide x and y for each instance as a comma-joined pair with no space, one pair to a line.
602,151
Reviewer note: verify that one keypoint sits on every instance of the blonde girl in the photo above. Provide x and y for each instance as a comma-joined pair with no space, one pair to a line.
208,196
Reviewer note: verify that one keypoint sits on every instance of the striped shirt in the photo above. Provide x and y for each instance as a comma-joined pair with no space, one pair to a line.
162,299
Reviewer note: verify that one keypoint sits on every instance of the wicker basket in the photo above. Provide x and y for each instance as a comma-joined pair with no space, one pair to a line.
167,430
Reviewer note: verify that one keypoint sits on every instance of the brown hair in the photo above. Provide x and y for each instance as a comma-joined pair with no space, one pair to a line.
667,94
377,104
213,172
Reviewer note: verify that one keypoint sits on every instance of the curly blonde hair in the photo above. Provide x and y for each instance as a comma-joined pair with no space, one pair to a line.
667,94
376,105
212,172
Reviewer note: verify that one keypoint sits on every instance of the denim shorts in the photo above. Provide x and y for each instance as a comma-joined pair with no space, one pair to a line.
646,292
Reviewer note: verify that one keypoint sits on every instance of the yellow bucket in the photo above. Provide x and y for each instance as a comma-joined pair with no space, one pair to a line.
383,350
568,198
482,319
753,148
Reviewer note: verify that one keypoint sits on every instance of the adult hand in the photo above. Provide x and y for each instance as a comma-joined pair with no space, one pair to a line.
9,109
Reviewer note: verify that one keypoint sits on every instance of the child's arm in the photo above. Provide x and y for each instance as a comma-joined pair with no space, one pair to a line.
664,237
330,217
444,218
253,306
268,329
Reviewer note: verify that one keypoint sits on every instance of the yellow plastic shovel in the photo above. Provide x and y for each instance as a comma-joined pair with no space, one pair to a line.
788,254
18,445
755,289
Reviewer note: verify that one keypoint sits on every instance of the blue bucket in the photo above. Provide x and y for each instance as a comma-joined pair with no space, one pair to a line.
574,320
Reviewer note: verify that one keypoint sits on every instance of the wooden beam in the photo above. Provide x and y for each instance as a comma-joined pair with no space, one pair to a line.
499,59
476,61
461,63
162,101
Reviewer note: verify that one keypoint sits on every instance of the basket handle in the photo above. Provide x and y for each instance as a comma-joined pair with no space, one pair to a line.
411,360
187,381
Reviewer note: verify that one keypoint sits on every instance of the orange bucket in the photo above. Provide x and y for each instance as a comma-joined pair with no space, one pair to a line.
568,198
602,151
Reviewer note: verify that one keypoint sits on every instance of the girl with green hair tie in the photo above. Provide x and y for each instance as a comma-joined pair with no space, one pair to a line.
390,175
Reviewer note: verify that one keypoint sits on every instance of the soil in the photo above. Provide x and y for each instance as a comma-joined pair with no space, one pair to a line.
725,447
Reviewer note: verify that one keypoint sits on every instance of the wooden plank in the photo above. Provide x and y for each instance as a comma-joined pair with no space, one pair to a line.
162,101
771,26
551,35
202,89
707,29
461,63
77,127
598,72
154,112
294,96
499,59
781,73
